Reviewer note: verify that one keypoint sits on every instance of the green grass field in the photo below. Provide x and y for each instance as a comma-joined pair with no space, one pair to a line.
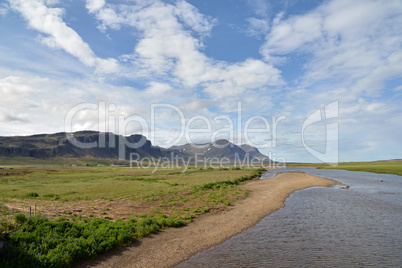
116,192
388,167
102,206
90,183
90,210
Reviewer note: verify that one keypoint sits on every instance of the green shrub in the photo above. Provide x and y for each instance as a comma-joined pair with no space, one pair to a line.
6,226
20,218
41,242
226,202
50,196
216,185
31,195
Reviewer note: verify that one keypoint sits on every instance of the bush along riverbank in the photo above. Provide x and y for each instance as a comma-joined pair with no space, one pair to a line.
44,242
41,242
214,185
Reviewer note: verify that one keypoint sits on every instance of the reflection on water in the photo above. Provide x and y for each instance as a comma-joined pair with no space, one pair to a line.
322,227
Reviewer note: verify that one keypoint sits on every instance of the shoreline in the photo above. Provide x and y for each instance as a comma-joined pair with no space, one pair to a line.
172,246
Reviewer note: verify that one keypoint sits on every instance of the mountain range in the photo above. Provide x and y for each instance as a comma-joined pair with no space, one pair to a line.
110,146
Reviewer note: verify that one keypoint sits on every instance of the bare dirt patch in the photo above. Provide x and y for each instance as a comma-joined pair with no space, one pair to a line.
123,208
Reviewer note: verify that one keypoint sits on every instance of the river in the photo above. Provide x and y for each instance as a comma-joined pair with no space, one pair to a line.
322,227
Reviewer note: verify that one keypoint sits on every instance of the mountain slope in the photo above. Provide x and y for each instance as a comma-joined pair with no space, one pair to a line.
52,145
252,151
219,149
108,145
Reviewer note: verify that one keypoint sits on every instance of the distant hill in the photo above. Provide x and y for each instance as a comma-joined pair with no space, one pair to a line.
58,145
219,149
111,146
252,151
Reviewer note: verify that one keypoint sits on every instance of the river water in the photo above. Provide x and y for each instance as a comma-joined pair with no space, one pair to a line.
322,227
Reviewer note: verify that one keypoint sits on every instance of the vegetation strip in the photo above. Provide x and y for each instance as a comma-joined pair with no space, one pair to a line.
41,242
386,167
44,242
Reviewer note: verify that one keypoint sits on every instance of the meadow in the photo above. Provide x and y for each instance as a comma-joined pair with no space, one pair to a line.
387,167
54,214
83,211
89,183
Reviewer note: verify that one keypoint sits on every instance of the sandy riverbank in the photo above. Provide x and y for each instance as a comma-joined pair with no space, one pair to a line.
174,245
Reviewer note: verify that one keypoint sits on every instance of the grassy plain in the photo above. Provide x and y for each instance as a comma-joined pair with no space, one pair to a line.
113,204
387,167
85,210
91,183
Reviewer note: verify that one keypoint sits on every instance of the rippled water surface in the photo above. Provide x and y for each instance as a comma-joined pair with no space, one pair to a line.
322,227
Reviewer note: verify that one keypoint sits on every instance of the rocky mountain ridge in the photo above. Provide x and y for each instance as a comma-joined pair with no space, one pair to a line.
108,145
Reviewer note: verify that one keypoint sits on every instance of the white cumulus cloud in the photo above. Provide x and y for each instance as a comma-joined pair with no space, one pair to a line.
94,5
169,47
48,20
346,39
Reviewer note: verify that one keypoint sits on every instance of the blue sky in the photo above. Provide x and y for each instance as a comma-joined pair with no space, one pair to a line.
201,61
